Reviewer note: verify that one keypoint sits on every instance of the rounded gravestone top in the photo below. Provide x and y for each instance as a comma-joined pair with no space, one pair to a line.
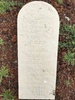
38,10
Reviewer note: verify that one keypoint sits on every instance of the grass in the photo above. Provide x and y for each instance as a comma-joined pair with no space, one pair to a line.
60,1
7,95
68,83
1,41
69,58
68,42
6,4
3,73
20,4
68,32
68,29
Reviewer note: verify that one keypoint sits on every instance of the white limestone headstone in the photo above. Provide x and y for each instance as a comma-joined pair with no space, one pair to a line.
38,31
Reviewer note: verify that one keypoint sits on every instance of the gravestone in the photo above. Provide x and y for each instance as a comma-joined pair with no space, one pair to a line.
38,31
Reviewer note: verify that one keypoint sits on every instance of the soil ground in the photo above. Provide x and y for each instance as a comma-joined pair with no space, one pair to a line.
8,51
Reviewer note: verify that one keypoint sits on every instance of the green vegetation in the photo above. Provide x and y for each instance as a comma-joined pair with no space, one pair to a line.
68,28
60,1
69,58
7,95
67,32
20,4
3,73
1,41
68,82
63,45
6,4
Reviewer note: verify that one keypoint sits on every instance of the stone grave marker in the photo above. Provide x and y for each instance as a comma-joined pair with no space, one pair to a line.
38,32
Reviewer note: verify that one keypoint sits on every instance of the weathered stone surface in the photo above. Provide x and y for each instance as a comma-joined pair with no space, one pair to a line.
38,31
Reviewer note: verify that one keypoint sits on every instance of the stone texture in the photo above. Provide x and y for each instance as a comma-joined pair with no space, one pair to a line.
38,31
